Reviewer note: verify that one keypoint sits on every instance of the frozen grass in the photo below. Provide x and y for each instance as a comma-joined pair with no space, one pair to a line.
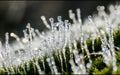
92,47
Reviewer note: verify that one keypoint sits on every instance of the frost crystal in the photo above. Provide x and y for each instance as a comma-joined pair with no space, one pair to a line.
60,36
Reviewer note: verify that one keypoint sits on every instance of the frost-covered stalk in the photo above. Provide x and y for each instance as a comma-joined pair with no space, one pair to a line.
30,38
63,38
111,43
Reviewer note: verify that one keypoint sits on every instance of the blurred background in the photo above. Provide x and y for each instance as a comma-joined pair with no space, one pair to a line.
14,15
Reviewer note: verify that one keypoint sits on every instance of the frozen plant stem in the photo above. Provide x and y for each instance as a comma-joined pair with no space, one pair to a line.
65,47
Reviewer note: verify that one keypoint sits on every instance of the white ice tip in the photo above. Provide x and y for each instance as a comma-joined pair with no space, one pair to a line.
24,40
35,48
43,17
102,32
12,34
100,8
28,25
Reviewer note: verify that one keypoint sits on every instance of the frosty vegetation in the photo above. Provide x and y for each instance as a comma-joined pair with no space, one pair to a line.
63,37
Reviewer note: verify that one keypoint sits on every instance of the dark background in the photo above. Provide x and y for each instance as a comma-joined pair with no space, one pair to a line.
14,15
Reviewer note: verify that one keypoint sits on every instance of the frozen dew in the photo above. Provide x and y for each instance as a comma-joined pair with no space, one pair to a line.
6,41
38,67
88,65
24,40
33,33
30,33
45,22
72,16
52,22
12,34
79,15
60,36
35,48
17,39
59,18
101,11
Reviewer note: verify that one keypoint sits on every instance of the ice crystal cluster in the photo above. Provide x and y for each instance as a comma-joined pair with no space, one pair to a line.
64,47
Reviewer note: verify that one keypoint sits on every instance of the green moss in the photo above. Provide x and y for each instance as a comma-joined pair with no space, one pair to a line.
97,44
117,37
118,70
57,61
98,66
68,66
89,45
106,71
